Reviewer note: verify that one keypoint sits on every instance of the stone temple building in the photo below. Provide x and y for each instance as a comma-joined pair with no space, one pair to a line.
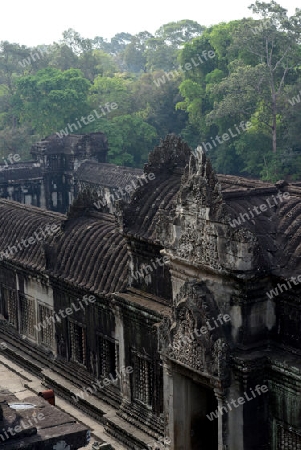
60,169
193,328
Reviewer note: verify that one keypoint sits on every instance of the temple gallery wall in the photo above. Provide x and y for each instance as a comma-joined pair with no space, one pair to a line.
192,353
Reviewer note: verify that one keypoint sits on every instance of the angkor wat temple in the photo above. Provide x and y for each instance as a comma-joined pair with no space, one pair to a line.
60,169
195,277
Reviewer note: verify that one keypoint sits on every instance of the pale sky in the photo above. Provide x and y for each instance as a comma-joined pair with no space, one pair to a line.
33,22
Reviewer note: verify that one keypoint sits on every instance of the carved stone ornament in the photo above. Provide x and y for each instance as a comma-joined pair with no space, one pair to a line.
199,206
191,338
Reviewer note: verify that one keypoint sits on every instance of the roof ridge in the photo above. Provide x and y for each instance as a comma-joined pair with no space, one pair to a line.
35,209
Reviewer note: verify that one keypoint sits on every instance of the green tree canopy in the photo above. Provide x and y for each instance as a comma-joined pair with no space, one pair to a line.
50,99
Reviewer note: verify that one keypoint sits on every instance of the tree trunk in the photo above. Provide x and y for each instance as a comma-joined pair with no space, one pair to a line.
274,127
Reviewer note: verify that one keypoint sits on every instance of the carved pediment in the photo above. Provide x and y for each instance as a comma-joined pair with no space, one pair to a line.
194,336
199,208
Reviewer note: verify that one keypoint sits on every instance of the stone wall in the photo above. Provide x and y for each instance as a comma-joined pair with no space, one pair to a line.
199,330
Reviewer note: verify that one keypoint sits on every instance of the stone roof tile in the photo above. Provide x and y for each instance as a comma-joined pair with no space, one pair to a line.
107,175
20,222
91,253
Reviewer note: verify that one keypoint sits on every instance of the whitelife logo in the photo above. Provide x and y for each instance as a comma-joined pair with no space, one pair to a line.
38,236
296,99
265,23
225,137
173,73
241,400
287,286
139,274
184,340
86,120
12,159
101,385
259,209
64,313
128,189
21,427
33,56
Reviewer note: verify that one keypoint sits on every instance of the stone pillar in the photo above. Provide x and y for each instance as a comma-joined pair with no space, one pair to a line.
125,386
43,203
221,418
168,406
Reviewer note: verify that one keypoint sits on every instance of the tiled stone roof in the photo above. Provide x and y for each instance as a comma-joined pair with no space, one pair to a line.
107,175
88,251
91,253
19,172
157,198
17,222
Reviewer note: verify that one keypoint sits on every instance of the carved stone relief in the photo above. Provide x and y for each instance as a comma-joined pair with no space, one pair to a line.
190,338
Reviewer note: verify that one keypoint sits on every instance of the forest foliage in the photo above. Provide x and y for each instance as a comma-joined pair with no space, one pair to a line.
202,83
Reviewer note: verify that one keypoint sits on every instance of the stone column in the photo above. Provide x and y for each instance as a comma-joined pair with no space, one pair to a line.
221,418
168,406
125,385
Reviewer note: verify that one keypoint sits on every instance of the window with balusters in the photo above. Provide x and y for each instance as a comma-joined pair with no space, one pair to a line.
78,343
10,306
288,438
46,335
108,350
27,316
142,378
147,381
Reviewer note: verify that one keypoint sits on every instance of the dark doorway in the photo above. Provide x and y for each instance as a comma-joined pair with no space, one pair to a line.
192,402
204,432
